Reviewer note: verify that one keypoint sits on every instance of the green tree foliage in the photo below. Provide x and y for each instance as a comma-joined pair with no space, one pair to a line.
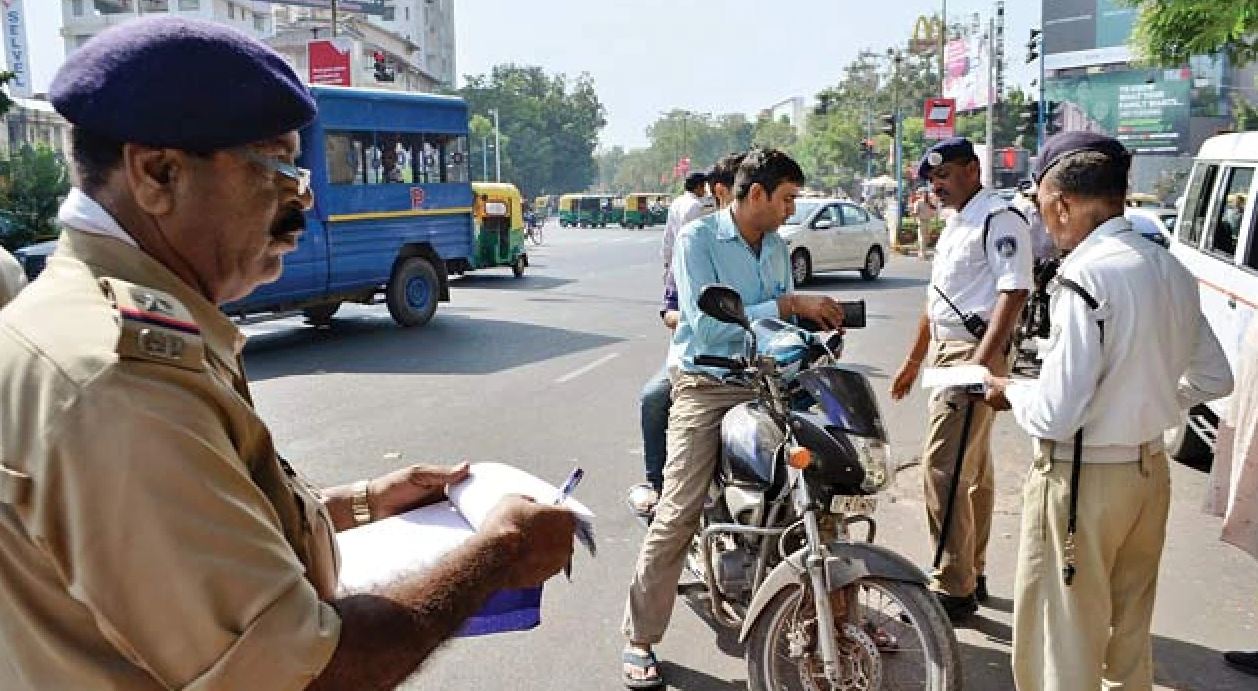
549,124
1168,32
677,134
37,181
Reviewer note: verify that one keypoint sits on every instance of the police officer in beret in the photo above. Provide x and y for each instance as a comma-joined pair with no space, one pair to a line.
1129,350
150,535
979,282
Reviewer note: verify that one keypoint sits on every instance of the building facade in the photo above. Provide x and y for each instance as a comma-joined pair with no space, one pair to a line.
83,19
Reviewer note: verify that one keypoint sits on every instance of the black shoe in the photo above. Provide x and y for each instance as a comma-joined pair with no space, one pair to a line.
980,588
1245,661
958,608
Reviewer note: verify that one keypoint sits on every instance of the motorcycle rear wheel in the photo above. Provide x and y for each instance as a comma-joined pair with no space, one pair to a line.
901,640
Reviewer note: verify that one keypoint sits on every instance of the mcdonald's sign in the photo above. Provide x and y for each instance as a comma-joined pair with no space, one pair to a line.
926,32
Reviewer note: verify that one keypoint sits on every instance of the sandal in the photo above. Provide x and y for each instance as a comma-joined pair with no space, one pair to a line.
644,663
642,500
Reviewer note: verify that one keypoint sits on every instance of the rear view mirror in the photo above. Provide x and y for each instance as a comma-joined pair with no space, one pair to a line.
723,303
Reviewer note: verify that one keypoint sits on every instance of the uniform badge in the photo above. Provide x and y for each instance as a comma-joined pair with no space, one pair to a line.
1006,247
934,158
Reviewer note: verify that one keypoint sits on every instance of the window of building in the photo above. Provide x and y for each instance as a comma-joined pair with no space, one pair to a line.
389,13
189,4
259,21
231,11
76,8
150,6
114,6
1230,211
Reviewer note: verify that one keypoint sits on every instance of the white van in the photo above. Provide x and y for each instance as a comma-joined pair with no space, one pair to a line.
1215,238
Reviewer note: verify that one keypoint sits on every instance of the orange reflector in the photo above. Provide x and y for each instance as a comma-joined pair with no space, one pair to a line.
800,457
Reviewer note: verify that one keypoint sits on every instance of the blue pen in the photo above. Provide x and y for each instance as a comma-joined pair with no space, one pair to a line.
565,491
569,485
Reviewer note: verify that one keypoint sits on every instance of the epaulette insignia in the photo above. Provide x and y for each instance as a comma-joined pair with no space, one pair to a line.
155,326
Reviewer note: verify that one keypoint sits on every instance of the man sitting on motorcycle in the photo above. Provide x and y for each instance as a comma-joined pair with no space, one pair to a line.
739,247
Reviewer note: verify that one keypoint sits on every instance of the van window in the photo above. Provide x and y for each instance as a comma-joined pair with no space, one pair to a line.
375,158
1230,210
1251,253
1196,203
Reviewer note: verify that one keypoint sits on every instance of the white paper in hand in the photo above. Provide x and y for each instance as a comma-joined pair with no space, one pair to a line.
972,378
488,483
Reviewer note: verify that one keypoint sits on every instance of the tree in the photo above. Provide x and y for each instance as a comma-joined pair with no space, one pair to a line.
6,103
38,180
549,126
1168,32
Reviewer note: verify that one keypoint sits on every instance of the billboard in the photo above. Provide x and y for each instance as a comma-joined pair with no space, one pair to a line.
1147,110
940,118
967,76
329,61
1086,32
15,53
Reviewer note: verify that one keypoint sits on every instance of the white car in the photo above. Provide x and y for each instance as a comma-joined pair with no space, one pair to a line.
834,235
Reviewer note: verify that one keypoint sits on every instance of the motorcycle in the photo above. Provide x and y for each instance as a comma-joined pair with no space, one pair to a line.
801,464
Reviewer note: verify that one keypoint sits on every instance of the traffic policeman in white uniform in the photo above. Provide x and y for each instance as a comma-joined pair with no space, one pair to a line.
980,280
1128,351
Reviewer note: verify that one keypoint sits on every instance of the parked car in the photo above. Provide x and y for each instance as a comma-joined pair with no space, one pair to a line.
33,257
834,235
1156,224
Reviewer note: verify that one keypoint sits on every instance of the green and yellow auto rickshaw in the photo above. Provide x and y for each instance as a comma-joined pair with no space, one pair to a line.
498,227
568,210
658,204
643,209
590,210
541,206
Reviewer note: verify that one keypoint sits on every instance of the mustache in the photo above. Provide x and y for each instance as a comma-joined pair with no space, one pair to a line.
292,220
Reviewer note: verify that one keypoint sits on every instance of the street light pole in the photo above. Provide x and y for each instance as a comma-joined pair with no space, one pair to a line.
943,44
497,149
334,9
484,158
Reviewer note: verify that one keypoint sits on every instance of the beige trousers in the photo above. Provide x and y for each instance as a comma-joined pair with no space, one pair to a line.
965,552
1070,638
694,447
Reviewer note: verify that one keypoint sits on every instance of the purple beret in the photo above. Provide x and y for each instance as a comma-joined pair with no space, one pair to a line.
180,83
943,151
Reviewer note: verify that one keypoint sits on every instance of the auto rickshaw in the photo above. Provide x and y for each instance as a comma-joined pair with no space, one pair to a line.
568,210
637,211
498,227
592,210
658,204
541,206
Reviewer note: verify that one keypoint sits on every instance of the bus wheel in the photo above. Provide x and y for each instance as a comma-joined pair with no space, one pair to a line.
412,292
321,315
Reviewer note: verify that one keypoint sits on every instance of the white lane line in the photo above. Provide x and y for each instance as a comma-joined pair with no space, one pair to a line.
588,368
644,241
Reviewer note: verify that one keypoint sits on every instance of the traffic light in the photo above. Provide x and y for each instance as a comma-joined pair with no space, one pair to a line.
888,124
1052,113
1029,119
384,73
1033,46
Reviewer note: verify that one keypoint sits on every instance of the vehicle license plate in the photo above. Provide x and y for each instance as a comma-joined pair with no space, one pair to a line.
864,504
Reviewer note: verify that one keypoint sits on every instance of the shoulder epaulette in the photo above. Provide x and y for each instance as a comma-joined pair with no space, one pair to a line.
154,326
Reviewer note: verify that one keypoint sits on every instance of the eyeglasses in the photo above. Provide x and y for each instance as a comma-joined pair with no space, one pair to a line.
299,175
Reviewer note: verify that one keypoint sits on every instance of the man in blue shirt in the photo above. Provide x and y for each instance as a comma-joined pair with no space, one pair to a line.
739,247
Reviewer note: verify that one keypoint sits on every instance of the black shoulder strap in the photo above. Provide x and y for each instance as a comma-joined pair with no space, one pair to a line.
987,222
1076,464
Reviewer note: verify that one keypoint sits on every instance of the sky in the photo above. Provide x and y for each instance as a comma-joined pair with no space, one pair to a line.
650,56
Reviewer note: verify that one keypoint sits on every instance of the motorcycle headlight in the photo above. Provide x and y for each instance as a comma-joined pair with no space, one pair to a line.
875,457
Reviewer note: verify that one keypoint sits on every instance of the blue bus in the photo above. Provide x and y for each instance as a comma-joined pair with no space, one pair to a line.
392,211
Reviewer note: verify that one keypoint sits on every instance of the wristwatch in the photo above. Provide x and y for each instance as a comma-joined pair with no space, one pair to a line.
359,505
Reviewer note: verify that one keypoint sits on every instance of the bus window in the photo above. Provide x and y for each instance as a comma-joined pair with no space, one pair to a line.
454,158
1231,210
343,155
1196,203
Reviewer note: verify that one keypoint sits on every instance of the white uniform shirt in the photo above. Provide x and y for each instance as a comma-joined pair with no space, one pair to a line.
12,277
683,210
971,274
1159,356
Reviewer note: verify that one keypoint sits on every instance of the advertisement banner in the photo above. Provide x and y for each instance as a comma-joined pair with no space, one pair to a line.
15,54
940,118
329,61
1147,110
968,75
1086,32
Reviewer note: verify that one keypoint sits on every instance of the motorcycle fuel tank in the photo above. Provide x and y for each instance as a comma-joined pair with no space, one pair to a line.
750,440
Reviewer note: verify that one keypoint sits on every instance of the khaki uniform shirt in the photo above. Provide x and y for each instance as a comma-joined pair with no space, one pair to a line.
150,537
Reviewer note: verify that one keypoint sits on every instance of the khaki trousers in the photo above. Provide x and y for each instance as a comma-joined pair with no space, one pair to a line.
1070,638
694,446
965,552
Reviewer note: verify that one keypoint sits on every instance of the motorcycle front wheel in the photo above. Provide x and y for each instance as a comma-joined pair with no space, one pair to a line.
896,638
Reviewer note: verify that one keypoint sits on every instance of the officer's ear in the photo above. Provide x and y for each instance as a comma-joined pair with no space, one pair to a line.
152,174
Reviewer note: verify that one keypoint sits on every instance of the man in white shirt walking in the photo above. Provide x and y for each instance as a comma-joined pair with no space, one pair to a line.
1129,350
980,279
683,210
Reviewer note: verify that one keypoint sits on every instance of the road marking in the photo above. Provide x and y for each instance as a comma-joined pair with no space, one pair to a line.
588,368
